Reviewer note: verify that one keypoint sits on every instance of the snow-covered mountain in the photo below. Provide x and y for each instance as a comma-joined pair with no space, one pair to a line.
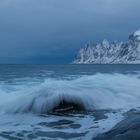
111,53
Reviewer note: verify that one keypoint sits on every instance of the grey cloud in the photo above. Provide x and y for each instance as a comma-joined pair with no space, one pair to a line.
53,29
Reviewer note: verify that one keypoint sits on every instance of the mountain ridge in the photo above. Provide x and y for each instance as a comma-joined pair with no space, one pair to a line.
111,53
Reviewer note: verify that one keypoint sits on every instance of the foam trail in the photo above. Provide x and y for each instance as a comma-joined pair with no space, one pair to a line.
100,91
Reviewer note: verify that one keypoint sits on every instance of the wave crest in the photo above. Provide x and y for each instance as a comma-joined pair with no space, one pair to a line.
100,91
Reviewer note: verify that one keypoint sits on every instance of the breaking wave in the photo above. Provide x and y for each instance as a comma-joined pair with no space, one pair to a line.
99,91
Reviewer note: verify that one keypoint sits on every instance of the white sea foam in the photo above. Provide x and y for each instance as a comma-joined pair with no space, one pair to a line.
117,92
100,91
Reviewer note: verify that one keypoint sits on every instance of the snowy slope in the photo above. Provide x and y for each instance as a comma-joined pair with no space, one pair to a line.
111,53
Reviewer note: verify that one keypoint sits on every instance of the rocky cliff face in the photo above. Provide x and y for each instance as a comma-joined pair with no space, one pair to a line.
111,53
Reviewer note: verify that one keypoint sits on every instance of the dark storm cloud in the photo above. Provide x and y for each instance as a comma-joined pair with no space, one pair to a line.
51,31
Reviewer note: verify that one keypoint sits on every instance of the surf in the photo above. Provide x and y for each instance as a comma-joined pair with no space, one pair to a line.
86,93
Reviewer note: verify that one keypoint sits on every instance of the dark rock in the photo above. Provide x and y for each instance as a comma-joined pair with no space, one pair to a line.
128,129
68,107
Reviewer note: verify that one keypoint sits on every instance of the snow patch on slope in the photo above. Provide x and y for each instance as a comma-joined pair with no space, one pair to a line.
111,53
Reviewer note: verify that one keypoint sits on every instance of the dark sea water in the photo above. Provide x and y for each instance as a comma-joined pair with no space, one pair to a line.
108,97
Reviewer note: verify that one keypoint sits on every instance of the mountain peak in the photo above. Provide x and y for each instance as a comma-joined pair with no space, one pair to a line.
112,53
137,34
105,43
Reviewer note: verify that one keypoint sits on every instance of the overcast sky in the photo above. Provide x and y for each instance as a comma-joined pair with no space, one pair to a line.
52,31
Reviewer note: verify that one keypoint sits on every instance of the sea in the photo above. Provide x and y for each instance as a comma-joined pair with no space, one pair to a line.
73,102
